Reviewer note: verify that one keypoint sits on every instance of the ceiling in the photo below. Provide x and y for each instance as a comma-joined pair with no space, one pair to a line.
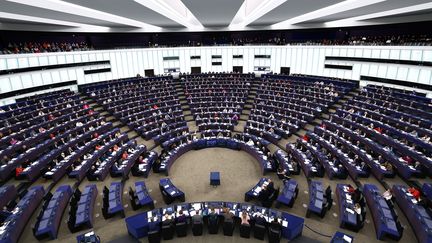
204,15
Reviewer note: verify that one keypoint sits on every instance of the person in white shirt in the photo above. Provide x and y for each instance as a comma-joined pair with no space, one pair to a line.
387,195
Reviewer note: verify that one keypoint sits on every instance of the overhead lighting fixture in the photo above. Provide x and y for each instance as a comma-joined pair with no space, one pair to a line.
21,17
70,8
252,10
356,20
174,10
330,10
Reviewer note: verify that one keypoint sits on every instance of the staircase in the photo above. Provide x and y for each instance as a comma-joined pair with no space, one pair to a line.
246,111
190,121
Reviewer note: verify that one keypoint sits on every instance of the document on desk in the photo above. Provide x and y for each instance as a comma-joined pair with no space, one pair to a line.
285,223
173,192
347,238
257,190
349,211
149,214
166,186
196,206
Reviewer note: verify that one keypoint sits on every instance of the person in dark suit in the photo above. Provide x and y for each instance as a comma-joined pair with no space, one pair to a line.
265,194
275,225
181,218
259,219
212,217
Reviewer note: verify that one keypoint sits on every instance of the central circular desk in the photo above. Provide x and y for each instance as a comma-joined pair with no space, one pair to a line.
211,142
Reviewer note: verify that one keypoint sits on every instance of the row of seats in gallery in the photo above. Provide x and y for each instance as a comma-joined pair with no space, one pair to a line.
150,106
50,124
217,100
283,105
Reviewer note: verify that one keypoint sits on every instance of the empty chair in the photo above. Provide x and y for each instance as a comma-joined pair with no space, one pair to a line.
228,228
167,232
259,231
167,199
213,225
154,236
181,229
274,235
197,228
245,230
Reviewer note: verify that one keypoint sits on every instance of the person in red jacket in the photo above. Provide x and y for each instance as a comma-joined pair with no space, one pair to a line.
378,129
413,191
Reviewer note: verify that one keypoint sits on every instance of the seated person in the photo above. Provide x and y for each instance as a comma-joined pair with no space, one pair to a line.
197,218
275,225
181,218
416,193
227,215
283,174
212,217
356,195
168,220
359,212
244,218
388,195
387,166
259,219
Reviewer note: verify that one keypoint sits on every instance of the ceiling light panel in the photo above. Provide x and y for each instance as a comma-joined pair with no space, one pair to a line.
356,20
174,10
330,10
252,10
70,8
28,18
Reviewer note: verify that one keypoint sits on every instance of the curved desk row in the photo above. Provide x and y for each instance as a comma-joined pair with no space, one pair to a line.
384,217
7,193
51,215
202,143
138,225
348,218
14,224
417,215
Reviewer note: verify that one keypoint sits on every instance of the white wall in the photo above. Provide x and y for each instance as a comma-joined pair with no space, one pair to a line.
301,59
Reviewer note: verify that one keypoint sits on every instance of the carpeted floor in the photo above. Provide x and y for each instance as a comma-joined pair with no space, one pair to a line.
239,172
